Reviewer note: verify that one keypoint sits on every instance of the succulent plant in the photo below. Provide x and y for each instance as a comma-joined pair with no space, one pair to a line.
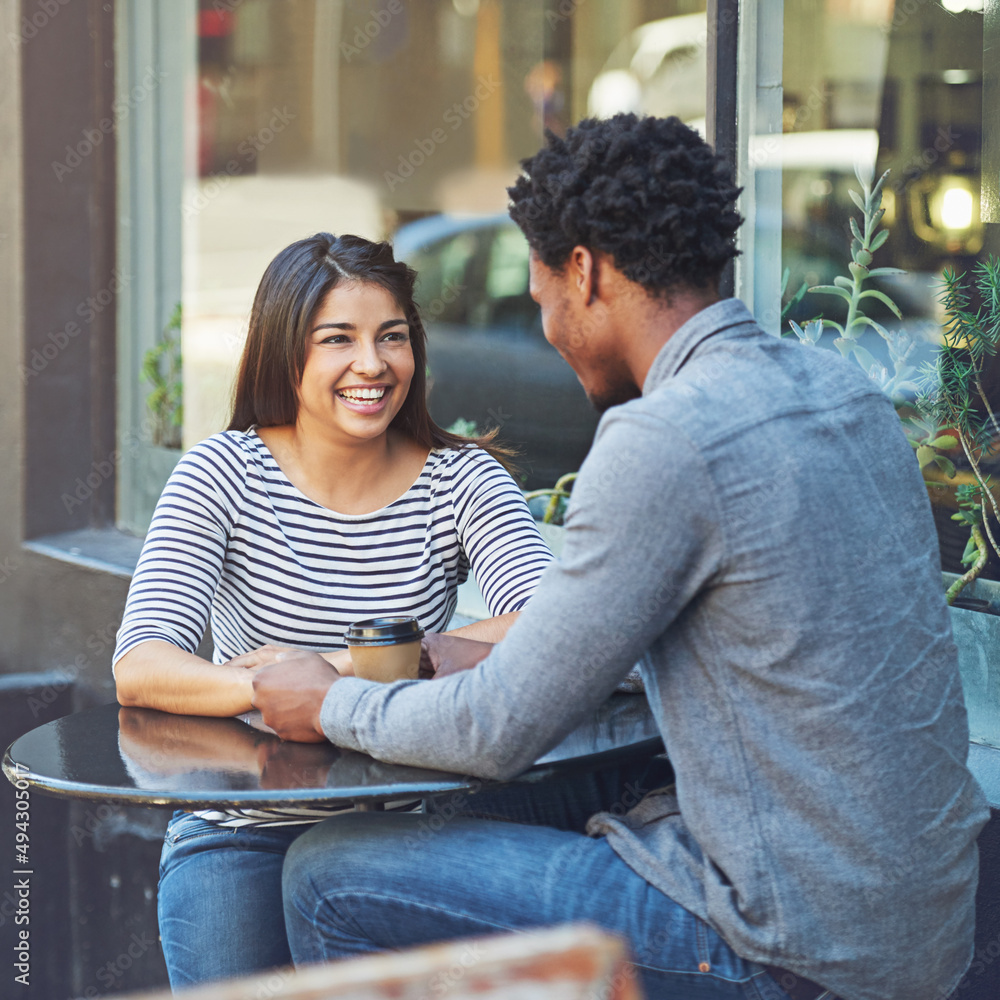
866,240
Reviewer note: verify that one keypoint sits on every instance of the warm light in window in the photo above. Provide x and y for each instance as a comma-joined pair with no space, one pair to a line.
956,208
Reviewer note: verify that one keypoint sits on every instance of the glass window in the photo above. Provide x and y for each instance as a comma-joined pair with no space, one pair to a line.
405,120
876,86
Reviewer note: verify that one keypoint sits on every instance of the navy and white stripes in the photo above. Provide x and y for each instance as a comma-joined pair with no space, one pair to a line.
233,540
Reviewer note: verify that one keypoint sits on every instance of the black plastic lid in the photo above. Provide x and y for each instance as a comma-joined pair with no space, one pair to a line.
384,632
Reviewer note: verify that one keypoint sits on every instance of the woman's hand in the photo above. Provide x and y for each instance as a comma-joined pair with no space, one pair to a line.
257,658
340,659
442,654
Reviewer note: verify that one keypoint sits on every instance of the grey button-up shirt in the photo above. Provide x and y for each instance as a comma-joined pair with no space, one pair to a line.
754,529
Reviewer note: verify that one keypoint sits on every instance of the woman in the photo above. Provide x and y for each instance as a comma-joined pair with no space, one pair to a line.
331,497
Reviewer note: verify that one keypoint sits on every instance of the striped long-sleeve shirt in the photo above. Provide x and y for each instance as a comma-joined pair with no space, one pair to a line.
233,542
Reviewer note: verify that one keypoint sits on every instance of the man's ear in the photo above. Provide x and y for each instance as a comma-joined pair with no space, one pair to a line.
583,270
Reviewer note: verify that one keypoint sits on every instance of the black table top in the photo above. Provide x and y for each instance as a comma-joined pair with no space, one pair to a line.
140,756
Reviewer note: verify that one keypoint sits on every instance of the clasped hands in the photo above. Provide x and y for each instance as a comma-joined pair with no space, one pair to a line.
290,685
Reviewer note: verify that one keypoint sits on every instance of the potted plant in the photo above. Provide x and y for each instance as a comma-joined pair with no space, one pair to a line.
951,410
162,371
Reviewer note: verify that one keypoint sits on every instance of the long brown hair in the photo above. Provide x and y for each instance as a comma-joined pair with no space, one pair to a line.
292,289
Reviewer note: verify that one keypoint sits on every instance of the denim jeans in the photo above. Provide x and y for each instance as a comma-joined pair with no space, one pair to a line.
362,883
219,901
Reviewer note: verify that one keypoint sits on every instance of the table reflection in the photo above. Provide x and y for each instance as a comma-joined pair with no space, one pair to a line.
144,756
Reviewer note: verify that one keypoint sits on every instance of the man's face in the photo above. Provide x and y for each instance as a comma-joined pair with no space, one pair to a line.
581,332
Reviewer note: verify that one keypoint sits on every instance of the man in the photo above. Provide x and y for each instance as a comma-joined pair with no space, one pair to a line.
751,524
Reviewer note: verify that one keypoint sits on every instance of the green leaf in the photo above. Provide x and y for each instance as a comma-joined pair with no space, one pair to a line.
878,272
831,290
945,465
874,293
925,455
879,240
863,320
971,551
864,358
946,442
843,282
877,190
855,230
857,199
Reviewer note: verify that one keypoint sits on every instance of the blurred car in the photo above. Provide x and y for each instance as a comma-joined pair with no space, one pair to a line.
659,69
489,362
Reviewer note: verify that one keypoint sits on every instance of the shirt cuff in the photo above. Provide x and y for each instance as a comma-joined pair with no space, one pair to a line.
337,710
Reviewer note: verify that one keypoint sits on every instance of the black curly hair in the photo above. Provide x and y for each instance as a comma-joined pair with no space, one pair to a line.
648,191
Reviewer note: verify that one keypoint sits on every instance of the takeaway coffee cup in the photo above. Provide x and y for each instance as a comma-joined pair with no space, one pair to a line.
385,649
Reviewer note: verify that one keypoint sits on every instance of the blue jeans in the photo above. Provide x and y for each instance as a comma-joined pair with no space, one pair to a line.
219,901
363,883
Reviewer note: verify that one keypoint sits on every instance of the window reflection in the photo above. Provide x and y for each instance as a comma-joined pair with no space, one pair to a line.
406,120
897,87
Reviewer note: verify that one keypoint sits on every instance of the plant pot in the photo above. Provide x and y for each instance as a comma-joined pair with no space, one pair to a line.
973,604
977,636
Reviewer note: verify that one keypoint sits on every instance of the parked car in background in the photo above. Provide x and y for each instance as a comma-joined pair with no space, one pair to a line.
489,362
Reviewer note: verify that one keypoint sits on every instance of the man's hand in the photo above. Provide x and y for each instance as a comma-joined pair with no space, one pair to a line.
284,766
441,654
290,691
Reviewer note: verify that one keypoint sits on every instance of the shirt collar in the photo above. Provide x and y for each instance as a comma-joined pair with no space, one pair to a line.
687,338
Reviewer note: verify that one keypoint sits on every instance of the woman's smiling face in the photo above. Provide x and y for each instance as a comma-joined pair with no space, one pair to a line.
358,363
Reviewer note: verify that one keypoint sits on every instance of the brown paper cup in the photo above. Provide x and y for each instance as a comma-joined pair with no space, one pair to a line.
386,664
